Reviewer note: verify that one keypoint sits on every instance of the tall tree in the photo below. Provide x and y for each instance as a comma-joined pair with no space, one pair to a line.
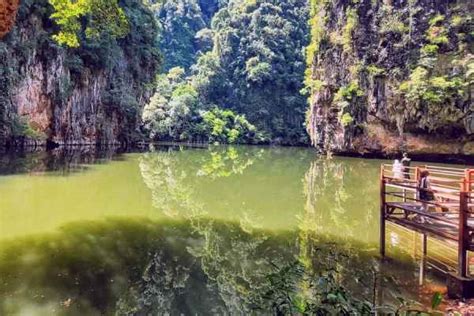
258,61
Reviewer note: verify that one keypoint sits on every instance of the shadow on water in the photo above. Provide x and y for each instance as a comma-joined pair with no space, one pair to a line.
60,160
64,160
242,230
195,266
336,197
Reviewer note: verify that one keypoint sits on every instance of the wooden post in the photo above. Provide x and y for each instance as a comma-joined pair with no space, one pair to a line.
424,244
424,252
417,178
462,236
422,270
468,184
382,212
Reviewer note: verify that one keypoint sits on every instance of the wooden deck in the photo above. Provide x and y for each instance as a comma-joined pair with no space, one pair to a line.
448,218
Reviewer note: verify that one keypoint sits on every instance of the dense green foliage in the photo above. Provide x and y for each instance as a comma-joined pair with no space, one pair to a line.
243,64
404,65
113,40
104,17
438,91
175,113
255,67
184,26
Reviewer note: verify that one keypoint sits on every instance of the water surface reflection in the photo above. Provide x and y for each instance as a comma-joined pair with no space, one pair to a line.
189,231
61,160
137,266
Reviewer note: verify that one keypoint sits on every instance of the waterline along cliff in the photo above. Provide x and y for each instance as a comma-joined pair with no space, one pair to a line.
90,93
386,76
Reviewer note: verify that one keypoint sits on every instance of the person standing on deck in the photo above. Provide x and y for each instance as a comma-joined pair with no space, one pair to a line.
424,188
397,169
406,161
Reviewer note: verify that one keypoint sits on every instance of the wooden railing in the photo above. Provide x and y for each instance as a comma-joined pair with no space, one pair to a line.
449,216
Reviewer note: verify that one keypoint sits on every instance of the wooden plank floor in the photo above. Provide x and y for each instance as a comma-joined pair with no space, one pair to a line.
436,224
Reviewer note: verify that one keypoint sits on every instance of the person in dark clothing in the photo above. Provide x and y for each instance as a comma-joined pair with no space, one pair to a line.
406,166
425,195
425,192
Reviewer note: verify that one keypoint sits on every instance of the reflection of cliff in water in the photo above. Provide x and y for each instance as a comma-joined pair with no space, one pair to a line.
171,176
339,199
61,160
251,185
142,267
211,256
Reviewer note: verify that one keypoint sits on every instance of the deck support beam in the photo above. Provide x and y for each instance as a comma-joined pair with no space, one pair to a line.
459,288
462,237
422,271
424,244
382,236
382,214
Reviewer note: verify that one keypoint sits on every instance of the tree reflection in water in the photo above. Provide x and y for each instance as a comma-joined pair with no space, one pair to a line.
340,200
194,264
140,267
61,161
165,181
170,176
227,161
243,284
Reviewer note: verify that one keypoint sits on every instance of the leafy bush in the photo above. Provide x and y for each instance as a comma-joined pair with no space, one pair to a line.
22,128
259,49
429,97
174,113
374,70
294,289
169,113
104,17
224,126
422,86
430,49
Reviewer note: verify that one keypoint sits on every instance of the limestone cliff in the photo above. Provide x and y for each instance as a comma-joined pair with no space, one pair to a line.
8,10
392,75
92,94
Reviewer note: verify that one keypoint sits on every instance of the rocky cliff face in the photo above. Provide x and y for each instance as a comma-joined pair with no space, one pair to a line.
392,75
87,95
8,9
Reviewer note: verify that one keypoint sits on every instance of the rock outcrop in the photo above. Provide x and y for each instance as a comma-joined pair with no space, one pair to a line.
87,95
392,75
8,10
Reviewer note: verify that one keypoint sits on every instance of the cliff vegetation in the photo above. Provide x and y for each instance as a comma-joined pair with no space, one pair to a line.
184,29
380,76
249,64
77,72
385,76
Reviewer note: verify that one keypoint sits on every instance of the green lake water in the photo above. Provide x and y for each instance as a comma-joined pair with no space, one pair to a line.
186,230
